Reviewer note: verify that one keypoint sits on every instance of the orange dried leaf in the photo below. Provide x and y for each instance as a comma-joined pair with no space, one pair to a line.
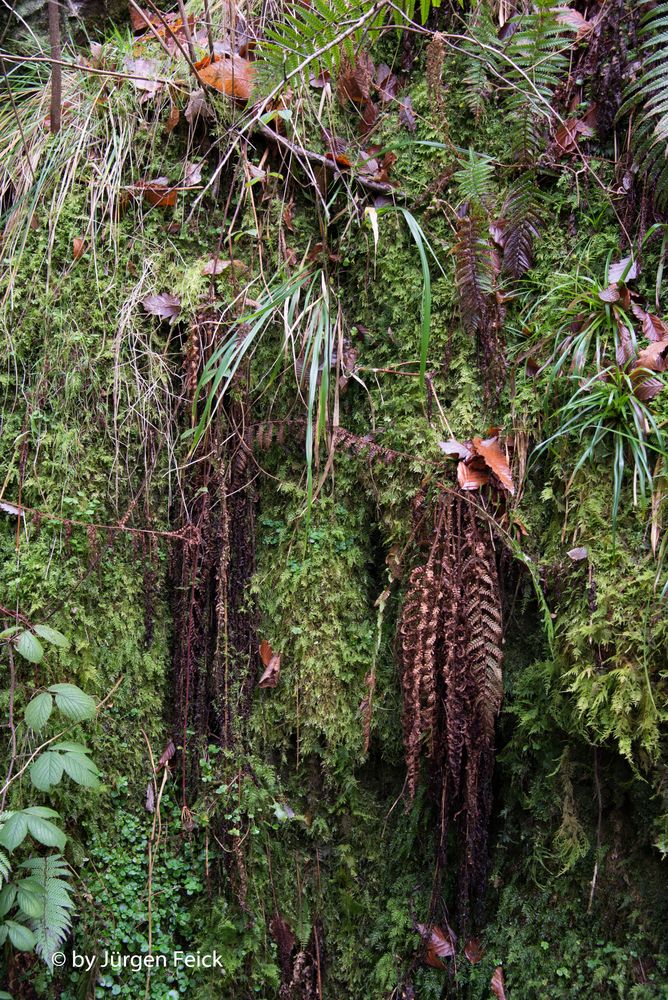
272,664
157,192
78,247
495,460
231,75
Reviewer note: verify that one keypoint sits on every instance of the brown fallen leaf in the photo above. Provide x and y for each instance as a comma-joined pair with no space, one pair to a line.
272,665
78,247
470,478
143,73
173,120
167,754
158,192
216,266
609,294
440,944
654,328
495,460
455,448
387,83
197,107
473,951
165,305
498,983
654,357
406,113
231,75
645,387
619,267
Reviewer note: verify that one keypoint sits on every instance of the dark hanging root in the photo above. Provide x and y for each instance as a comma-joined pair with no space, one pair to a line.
215,622
451,638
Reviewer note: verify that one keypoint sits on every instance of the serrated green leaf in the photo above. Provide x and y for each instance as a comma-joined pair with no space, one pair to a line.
46,832
7,632
81,769
74,703
14,831
7,899
52,635
44,811
29,647
39,710
68,745
20,935
30,897
47,770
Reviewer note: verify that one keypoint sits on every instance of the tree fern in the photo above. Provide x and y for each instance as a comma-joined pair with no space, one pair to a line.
53,925
647,97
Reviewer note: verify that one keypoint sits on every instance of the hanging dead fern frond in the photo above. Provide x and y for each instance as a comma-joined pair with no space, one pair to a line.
451,635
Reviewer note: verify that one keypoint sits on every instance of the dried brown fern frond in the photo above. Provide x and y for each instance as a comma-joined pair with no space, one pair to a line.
451,634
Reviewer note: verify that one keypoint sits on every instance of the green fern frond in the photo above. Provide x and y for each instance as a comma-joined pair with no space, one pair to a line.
475,178
647,97
532,63
53,925
5,867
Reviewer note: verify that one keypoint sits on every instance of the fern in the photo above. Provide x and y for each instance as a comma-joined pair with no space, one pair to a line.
52,927
647,97
521,224
479,67
473,272
531,65
474,179
319,35
5,867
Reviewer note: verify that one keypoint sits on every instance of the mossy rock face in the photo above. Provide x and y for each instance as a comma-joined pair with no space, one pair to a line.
299,815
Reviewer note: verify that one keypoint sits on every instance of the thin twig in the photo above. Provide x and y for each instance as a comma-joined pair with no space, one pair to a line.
299,152
56,69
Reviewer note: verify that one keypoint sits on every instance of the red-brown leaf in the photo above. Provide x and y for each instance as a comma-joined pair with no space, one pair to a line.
498,983
78,247
654,357
473,951
455,448
470,478
167,754
272,664
406,113
495,460
354,80
158,192
653,327
440,944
